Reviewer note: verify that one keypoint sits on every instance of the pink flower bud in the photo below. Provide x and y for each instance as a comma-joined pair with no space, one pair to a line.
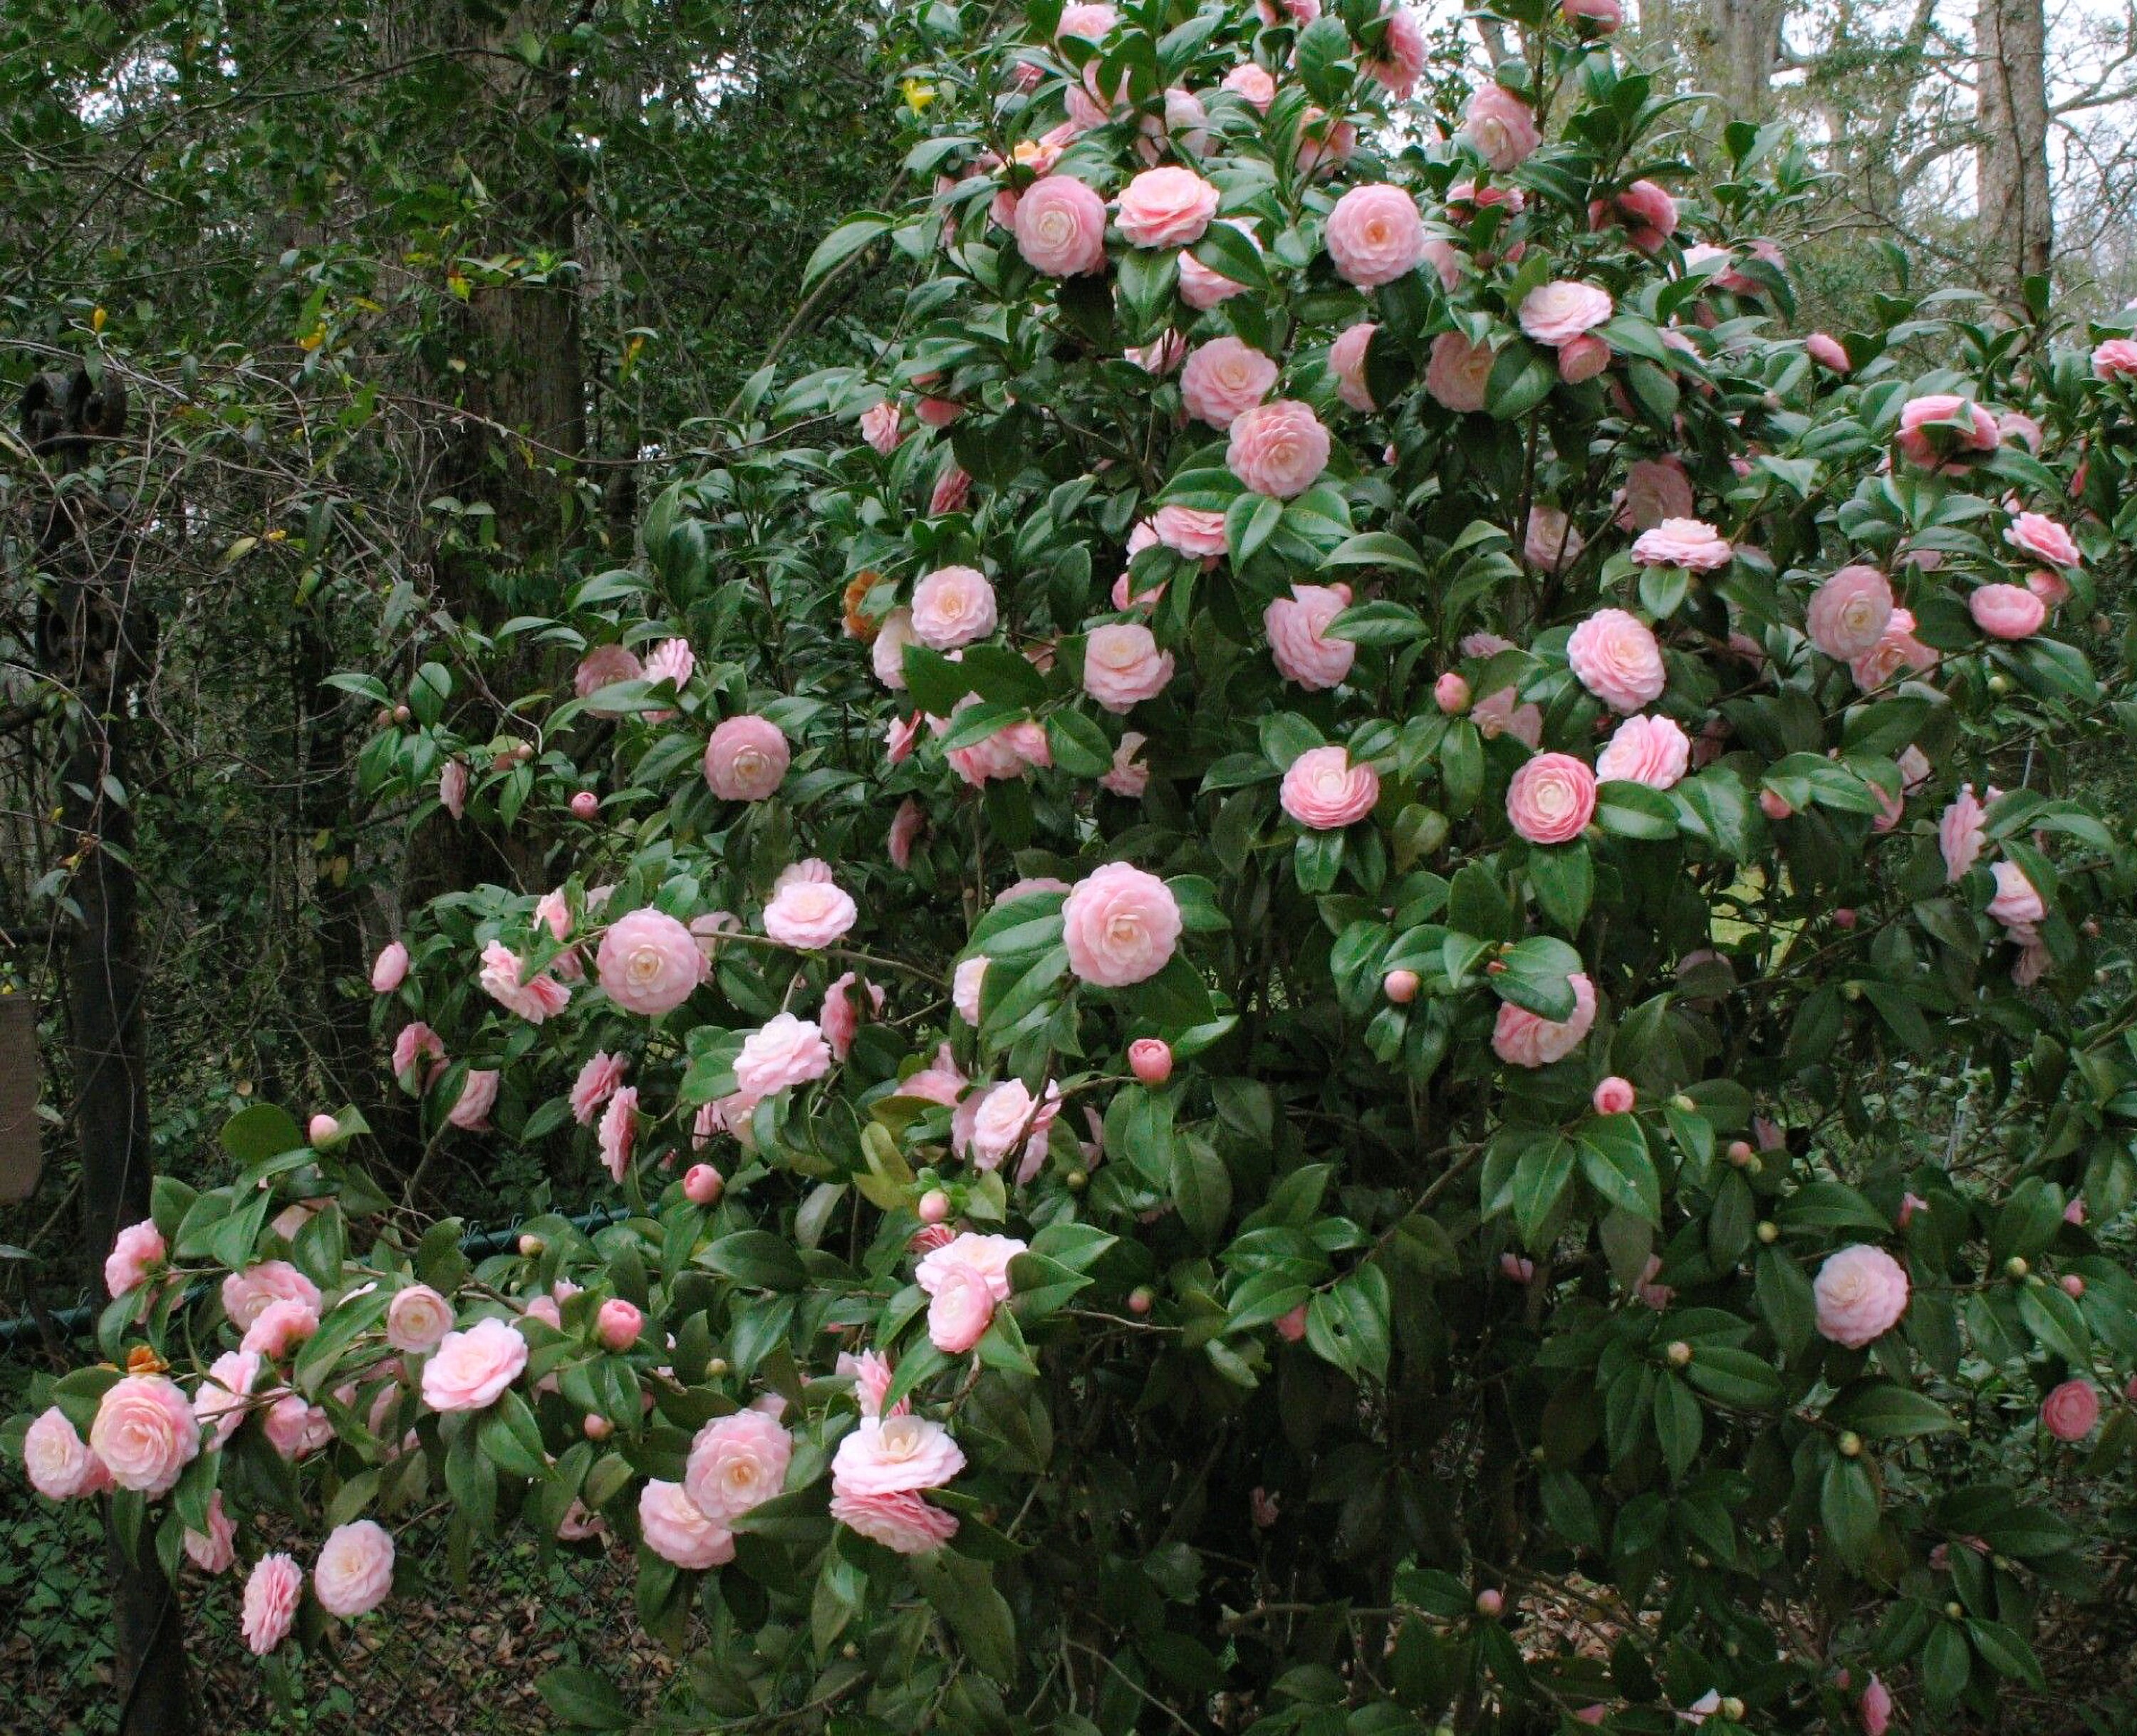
585,803
1451,694
934,1206
1771,805
1291,1327
323,1131
1151,1060
1615,1096
598,1426
702,1184
2073,1285
1400,987
1491,1604
1139,1299
617,1324
1843,918
530,1245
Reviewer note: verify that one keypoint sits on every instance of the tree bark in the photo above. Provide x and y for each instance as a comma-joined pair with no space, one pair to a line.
1739,43
2011,112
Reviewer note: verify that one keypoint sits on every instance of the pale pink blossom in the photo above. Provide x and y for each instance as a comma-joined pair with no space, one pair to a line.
672,660
2036,534
1166,208
503,979
952,491
2115,358
1456,372
1582,358
279,1328
1451,692
1874,1707
840,1019
293,1428
904,1522
1374,235
1961,834
906,826
1614,1095
136,1251
746,758
1120,926
952,606
887,652
1323,790
59,1465
1655,489
1129,777
453,788
214,1550
938,1083
1646,750
2007,612
596,1083
2018,904
882,427
1551,542
1516,1266
965,988
1122,666
618,1132
1898,650
1615,656
895,1456
1551,798
1558,311
1278,448
470,1110
1498,714
1689,542
247,1294
1500,126
1009,1120
1202,287
417,1318
1224,378
2071,1411
1189,531
470,1368
1159,357
1861,1293
354,1572
1347,361
648,963
605,666
737,1462
784,1052
1089,19
271,1596
871,1374
1646,212
1061,227
810,915
1252,83
219,1401
390,968
1523,1038
1927,441
964,1280
1325,144
1849,612
1298,627
677,1533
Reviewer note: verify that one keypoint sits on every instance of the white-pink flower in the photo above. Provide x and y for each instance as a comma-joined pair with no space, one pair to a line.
1860,1292
1009,1120
1224,378
1324,792
1374,235
1167,207
145,1432
1120,925
136,1251
1279,450
1122,666
271,1595
895,1456
952,606
1297,627
503,978
2037,535
840,1018
810,915
219,1401
1645,749
677,1533
618,1132
1129,777
1688,542
1551,798
1347,361
1558,311
964,1280
784,1051
737,1462
1501,126
354,1572
746,758
1615,656
648,963
905,1523
470,1370
59,1465
596,1083
1060,227
1848,612
1961,834
1457,372
1523,1038
966,985
417,1318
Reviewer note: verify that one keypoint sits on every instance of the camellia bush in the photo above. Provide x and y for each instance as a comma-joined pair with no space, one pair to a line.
1337,963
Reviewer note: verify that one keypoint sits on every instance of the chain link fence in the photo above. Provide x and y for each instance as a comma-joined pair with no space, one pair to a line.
447,1660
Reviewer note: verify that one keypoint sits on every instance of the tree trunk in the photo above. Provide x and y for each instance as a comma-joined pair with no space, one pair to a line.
1740,42
2011,112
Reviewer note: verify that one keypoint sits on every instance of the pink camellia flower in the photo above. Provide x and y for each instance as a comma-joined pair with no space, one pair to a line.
1897,649
904,1522
1848,612
702,1184
672,660
245,1294
1451,693
1909,1203
882,427
736,1463
1202,287
596,1083
295,1429
144,1433
1061,227
1224,378
648,963
1298,627
887,654
1615,656
1860,1292
1646,212
453,788
966,985
906,826
618,1133
503,979
1008,1119
1187,530
1602,16
1279,449
1159,358
745,759
1582,358
953,490
2035,534
471,1368
60,1466
1374,235
2007,612
1655,489
2115,359
470,1110
1615,1096
1457,372
810,915
1347,361
1501,126
1523,1038
136,1251
417,1318
271,1595
1557,313
2016,427
2070,1412
354,1572
964,1280
952,606
1689,542
1650,750
1122,666
390,968
1166,208
677,1533
2018,904
1252,84
783,1051
214,1550
1402,63
2051,588
1827,353
1550,542
934,413
1323,791
811,870
1184,129
1551,798
219,1401
278,1329
1120,926
1925,441
1520,1270
617,1324
1874,1707
895,1456
1325,144
604,666
1089,19
1150,1059
840,1019
1129,777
